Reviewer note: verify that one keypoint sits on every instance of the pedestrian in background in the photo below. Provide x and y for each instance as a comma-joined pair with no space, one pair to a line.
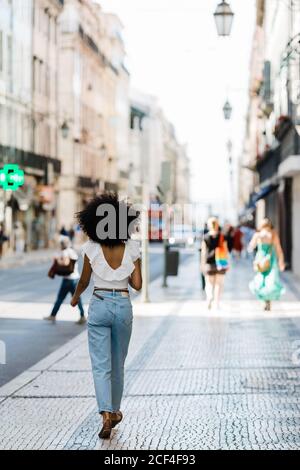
229,236
63,232
19,236
204,232
3,239
66,265
71,234
237,242
113,259
214,262
269,260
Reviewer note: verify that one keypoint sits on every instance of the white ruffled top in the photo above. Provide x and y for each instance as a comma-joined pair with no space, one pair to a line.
104,276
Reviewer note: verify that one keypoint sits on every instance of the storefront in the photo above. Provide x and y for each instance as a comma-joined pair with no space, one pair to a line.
279,176
289,171
30,212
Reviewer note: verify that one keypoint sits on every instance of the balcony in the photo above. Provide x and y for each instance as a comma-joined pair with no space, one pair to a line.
283,125
111,187
267,166
60,3
88,40
290,144
28,159
85,182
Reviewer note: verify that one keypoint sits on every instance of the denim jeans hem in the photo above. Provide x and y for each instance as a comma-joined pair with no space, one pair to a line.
106,409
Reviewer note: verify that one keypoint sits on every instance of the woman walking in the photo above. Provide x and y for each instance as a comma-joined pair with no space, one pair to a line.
113,261
269,260
214,262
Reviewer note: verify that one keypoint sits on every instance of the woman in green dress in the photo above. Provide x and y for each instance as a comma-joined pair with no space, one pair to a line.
269,261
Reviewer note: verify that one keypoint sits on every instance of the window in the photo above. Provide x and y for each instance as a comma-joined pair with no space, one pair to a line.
35,74
1,51
55,31
41,77
48,89
9,55
48,24
10,62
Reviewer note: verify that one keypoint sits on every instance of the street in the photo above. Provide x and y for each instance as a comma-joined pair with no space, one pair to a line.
26,296
195,379
154,145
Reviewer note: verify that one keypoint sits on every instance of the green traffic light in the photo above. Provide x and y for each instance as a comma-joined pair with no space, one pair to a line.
11,177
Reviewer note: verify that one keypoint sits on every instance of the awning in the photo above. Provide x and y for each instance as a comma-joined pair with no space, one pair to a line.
263,192
254,198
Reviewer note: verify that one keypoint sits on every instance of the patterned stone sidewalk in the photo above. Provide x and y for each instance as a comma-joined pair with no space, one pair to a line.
195,379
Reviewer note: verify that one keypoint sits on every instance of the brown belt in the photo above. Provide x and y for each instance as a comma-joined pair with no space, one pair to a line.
108,290
111,290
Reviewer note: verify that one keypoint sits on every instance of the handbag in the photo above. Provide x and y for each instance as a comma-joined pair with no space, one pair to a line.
62,267
221,255
263,265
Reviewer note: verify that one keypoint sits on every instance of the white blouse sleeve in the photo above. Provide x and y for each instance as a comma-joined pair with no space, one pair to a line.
134,248
90,250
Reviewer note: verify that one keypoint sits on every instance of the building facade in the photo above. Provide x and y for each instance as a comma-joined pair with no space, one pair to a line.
68,120
28,115
93,96
272,145
155,153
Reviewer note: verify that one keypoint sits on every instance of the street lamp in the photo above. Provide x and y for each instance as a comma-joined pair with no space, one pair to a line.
227,110
229,146
224,18
103,150
65,130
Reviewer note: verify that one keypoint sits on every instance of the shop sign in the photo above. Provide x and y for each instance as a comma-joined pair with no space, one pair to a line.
11,177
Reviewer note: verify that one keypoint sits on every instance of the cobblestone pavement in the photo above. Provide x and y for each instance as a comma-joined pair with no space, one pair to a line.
226,379
22,308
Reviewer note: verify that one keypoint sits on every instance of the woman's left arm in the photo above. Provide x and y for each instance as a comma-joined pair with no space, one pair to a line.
135,279
279,251
83,281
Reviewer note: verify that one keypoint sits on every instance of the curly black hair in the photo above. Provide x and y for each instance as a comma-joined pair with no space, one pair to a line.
107,220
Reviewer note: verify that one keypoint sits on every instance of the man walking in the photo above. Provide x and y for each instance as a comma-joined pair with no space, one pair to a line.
66,257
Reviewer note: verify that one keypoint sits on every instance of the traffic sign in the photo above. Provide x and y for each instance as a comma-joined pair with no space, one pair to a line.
11,177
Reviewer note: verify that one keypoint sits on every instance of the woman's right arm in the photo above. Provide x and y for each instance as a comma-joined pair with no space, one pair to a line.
83,281
279,251
135,280
203,255
253,243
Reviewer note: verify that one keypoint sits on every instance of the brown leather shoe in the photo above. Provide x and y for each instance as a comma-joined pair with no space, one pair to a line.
116,418
107,425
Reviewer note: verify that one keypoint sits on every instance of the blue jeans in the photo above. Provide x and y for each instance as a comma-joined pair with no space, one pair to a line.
67,286
109,332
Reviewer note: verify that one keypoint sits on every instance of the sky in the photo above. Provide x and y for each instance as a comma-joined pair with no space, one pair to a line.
174,53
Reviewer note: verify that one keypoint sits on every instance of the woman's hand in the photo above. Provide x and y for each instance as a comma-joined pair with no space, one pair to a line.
203,268
282,266
83,281
74,301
